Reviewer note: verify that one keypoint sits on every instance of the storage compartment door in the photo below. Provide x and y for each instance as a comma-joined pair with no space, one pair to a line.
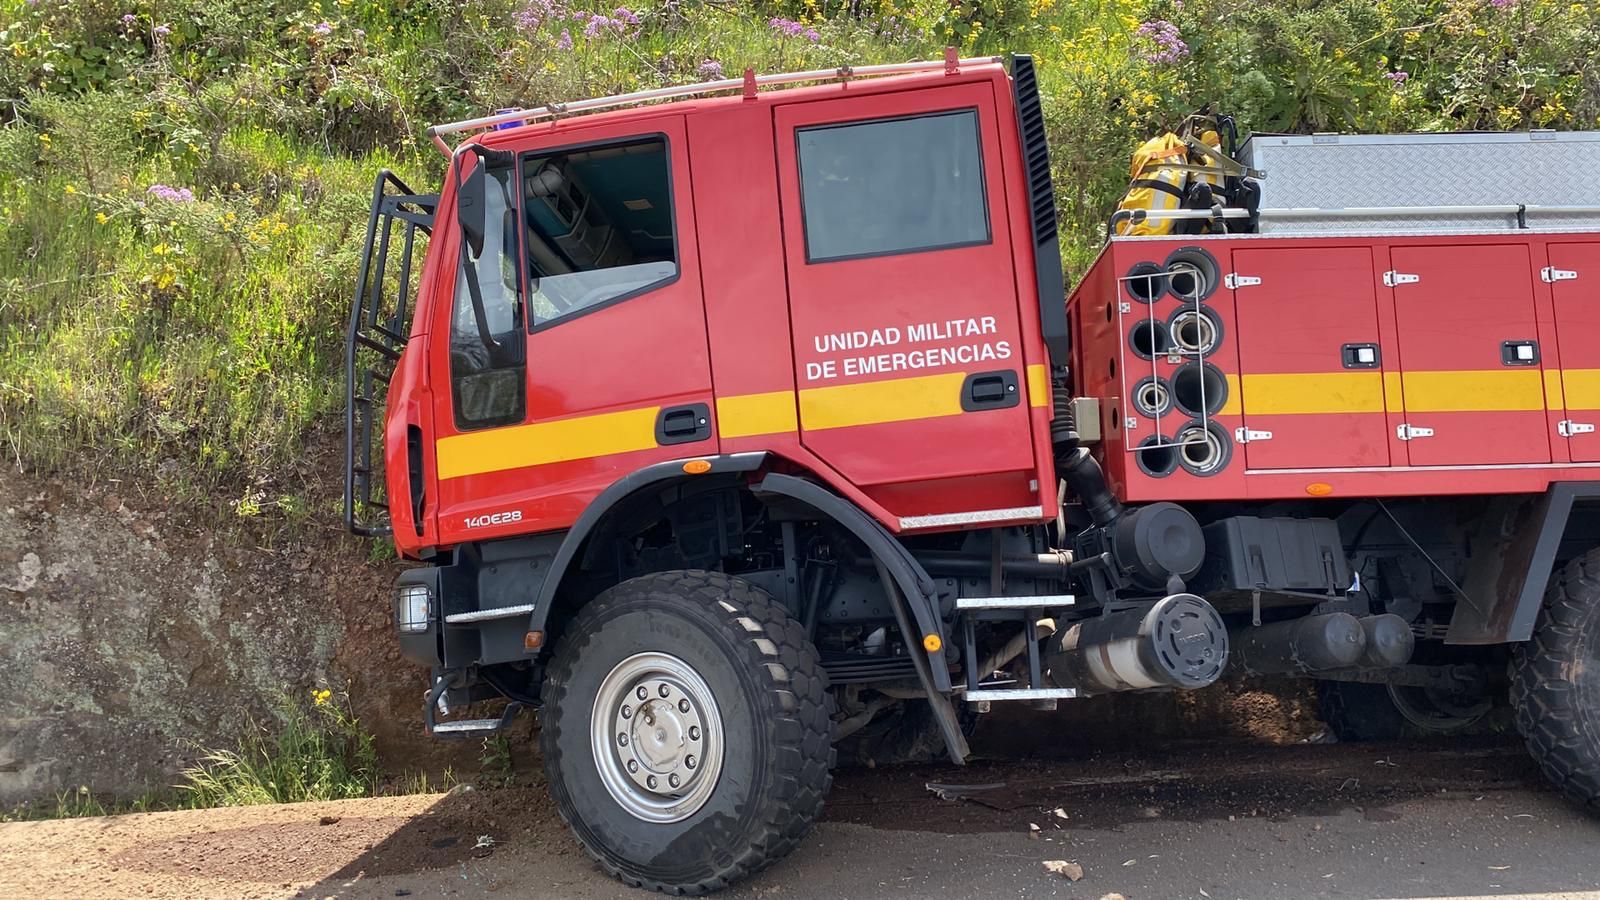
1311,379
1470,360
1574,276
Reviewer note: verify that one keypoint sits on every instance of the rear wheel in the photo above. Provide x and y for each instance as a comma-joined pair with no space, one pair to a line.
686,731
1357,711
1555,685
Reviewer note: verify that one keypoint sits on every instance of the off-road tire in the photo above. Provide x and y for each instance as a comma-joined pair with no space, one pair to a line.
1555,683
775,710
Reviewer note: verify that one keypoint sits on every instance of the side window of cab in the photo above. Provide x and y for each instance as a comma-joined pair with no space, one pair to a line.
488,359
600,226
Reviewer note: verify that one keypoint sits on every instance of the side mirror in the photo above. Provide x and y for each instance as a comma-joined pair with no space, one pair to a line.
472,200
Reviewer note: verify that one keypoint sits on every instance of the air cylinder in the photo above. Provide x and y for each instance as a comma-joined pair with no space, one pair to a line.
1308,644
1389,641
1178,641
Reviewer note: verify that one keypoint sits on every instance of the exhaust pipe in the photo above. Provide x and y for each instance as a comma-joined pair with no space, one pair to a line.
1178,642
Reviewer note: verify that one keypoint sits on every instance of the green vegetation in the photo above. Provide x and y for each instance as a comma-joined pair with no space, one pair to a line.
315,752
183,184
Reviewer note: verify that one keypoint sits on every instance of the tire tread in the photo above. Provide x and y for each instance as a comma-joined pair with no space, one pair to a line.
800,733
1561,732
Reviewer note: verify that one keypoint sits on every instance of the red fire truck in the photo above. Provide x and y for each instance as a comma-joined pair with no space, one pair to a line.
740,425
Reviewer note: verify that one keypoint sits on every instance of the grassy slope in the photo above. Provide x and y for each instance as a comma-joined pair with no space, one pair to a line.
197,342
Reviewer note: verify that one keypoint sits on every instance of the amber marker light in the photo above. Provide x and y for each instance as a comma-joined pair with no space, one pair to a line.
1319,489
697,466
533,640
932,643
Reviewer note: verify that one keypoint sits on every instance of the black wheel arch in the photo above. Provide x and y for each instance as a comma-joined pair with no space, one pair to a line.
912,580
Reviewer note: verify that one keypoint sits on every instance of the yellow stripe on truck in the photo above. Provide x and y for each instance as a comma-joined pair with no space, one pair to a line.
1313,393
877,402
1038,385
1582,388
541,443
746,415
1486,390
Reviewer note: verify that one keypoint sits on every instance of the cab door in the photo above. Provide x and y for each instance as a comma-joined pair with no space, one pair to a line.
903,300
1574,276
607,368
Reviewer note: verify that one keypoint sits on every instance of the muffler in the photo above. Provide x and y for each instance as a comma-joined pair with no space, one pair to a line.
1178,642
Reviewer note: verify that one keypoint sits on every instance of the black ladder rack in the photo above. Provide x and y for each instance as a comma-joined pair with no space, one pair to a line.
379,321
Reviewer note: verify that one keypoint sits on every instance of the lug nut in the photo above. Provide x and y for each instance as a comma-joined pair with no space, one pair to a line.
672,780
622,740
694,733
633,765
689,762
665,690
627,712
650,782
644,694
683,706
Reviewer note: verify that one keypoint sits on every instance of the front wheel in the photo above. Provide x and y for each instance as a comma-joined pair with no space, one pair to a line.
686,731
1555,683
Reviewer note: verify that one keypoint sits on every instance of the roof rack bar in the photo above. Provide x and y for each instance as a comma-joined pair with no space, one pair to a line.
522,116
1292,212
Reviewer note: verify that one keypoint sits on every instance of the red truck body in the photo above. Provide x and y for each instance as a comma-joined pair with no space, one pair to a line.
741,433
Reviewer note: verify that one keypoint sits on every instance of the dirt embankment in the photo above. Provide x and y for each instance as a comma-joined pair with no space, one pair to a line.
132,634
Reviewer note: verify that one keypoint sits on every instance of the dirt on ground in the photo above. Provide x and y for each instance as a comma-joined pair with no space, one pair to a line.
484,842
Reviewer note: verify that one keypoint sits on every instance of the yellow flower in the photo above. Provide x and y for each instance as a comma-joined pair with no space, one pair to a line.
70,189
160,249
102,218
321,697
44,139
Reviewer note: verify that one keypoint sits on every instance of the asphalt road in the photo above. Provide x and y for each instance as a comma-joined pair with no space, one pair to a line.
1210,821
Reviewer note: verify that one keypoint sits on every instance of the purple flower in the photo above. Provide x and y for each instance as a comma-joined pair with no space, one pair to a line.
710,69
129,18
625,15
1502,4
536,12
359,33
161,30
171,194
1398,77
323,28
1169,46
792,28
565,41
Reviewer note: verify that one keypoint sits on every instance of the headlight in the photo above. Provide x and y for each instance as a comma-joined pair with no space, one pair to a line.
411,608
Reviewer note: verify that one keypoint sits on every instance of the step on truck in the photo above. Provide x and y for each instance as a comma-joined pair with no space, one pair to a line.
746,426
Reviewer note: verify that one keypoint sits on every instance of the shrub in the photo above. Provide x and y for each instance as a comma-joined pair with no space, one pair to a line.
313,752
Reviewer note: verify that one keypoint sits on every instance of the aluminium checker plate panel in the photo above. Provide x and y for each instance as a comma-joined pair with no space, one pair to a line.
1326,172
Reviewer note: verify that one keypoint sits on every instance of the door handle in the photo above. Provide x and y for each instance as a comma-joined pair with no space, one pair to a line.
683,424
1519,353
1360,356
990,390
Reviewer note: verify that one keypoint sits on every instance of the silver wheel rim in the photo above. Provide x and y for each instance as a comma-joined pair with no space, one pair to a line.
657,737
